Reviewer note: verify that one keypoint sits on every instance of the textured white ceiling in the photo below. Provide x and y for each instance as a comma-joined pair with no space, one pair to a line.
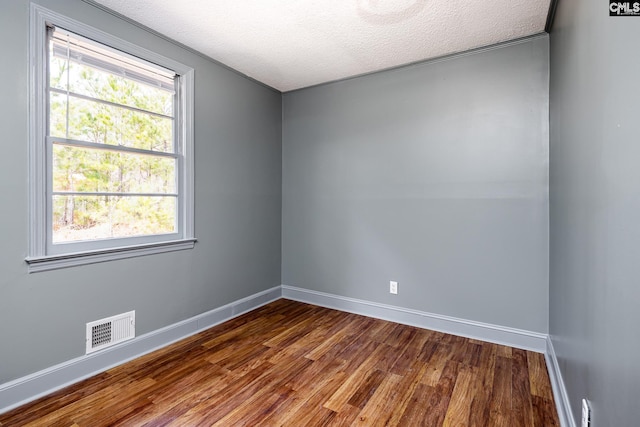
290,44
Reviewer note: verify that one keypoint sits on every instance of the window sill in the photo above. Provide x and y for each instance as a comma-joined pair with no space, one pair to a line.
54,262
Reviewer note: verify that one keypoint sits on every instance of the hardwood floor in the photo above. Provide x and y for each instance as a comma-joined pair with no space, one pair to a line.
294,364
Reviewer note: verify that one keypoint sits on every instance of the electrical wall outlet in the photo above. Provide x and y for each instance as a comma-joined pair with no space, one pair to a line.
393,287
586,413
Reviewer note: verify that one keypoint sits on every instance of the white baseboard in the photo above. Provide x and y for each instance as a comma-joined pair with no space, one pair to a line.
28,388
557,385
518,338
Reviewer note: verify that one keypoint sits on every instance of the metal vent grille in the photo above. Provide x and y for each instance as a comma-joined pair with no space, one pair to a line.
101,334
110,331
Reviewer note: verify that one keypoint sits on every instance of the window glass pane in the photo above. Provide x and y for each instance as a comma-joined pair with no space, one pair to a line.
58,72
58,115
105,124
81,218
85,80
82,169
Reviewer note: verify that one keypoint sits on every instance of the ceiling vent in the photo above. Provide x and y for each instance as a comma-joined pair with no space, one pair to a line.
110,331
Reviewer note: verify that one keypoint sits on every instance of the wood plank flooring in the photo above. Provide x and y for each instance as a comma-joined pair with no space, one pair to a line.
294,364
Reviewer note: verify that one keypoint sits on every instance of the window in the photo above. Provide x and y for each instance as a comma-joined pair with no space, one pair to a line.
111,147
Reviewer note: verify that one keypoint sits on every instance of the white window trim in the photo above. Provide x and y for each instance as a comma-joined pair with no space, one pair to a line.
39,259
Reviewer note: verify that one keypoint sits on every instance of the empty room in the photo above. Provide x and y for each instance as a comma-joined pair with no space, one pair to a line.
306,213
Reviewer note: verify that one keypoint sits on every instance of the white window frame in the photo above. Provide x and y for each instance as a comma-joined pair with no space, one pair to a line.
42,253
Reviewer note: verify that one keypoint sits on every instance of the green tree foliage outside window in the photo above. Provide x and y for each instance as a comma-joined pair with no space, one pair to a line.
105,192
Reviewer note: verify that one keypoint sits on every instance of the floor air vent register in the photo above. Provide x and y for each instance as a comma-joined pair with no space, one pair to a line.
110,331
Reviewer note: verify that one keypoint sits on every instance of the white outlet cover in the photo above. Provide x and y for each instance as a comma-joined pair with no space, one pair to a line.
393,287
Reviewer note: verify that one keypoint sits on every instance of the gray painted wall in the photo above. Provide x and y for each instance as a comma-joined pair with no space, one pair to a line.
238,211
594,206
435,175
